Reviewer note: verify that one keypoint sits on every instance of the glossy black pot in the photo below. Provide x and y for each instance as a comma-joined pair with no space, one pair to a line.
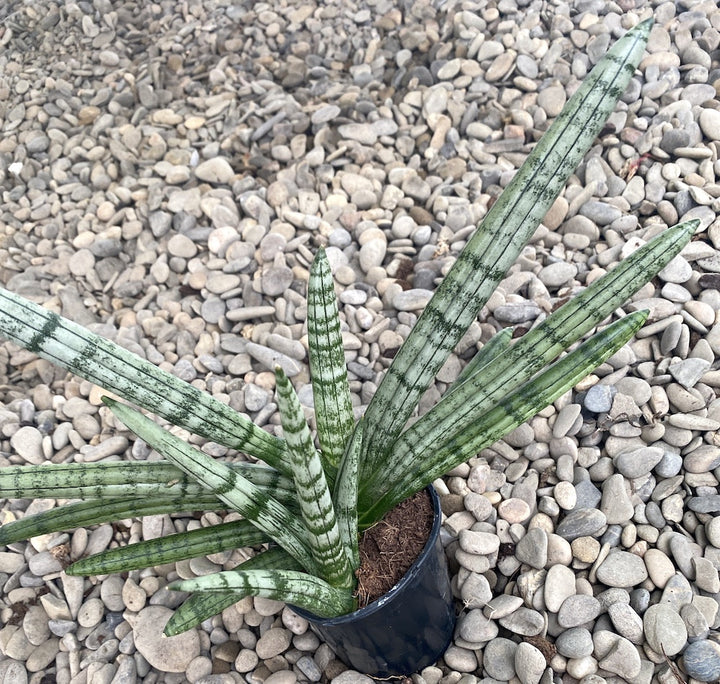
405,630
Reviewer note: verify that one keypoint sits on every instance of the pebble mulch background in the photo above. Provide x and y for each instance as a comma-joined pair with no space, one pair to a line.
167,170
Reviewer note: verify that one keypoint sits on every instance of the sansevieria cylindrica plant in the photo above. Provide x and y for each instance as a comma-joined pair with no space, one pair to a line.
313,494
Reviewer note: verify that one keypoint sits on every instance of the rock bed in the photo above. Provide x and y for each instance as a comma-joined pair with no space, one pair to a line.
167,171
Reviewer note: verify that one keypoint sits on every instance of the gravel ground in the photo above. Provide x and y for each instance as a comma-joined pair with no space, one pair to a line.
167,170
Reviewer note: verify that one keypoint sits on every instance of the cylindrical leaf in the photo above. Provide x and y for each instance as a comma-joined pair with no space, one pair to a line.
145,554
124,479
297,588
525,358
470,437
108,365
97,511
312,489
331,393
495,245
203,605
237,492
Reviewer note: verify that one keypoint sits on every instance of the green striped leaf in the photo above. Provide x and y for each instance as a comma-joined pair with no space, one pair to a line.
514,409
495,245
345,497
97,511
170,549
117,370
204,605
124,479
495,346
333,406
237,492
525,358
296,588
312,489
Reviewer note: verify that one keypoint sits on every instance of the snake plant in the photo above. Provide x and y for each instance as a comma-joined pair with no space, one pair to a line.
309,496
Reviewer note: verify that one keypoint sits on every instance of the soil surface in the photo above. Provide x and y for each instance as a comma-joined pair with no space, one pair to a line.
390,547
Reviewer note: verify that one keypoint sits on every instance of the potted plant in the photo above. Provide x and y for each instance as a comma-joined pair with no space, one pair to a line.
312,499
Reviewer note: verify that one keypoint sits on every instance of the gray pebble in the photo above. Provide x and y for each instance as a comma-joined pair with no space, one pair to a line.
10,562
712,530
271,358
664,629
559,585
674,138
689,371
309,668
523,621
639,600
709,121
475,591
622,569
578,610
255,397
276,280
532,548
634,464
703,459
44,563
695,622
474,627
481,543
35,625
530,663
574,643
516,313
459,659
598,398
588,496
583,522
677,592
600,213
325,114
363,133
617,655
411,300
273,642
499,659
704,504
669,465
351,677
557,274
217,170
616,503
701,660
626,621
27,443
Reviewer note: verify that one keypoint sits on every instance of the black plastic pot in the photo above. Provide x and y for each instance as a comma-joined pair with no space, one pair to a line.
405,630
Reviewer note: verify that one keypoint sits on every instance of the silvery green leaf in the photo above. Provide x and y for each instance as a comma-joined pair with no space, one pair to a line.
312,489
172,548
331,393
505,415
117,370
345,496
237,492
203,605
97,511
124,479
296,588
478,394
493,248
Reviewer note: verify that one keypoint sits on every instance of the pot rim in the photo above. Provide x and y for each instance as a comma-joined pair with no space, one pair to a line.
380,603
